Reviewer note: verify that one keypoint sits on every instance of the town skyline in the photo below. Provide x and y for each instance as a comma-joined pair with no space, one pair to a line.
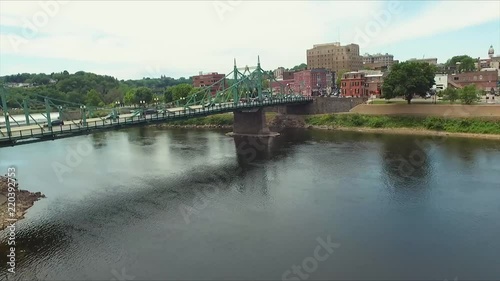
144,48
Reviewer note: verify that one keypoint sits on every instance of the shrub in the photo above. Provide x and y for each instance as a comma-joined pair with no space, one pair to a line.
434,123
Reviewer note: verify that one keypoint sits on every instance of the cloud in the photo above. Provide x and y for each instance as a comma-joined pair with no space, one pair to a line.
185,37
436,18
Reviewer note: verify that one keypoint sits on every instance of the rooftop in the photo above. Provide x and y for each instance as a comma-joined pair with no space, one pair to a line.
337,44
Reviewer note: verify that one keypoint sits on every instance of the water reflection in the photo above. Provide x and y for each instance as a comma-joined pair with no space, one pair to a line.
35,243
469,152
405,162
259,204
143,136
99,139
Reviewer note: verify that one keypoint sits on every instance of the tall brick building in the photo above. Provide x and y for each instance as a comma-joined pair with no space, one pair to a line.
334,57
378,61
215,79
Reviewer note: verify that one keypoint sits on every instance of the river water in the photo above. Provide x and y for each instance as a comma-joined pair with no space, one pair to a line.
148,203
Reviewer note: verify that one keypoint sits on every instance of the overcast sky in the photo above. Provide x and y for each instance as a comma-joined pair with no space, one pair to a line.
134,39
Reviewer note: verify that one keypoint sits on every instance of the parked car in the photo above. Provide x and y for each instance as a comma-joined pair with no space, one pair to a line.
150,111
55,123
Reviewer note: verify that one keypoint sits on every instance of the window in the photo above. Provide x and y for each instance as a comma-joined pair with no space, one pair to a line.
455,78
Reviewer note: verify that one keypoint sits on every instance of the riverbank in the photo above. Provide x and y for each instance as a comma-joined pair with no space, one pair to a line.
410,125
473,126
24,200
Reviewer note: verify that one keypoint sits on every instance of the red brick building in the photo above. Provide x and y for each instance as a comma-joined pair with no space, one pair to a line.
215,79
353,85
373,83
484,80
286,84
302,82
310,82
314,82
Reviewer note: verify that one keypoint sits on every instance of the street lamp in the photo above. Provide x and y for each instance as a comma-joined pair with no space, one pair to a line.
84,115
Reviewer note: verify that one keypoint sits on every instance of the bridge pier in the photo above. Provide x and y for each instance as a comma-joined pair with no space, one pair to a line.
251,122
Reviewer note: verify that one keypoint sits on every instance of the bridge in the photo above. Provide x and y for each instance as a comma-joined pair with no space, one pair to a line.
246,97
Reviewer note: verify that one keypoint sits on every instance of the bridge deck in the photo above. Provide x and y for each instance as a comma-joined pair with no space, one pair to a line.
30,134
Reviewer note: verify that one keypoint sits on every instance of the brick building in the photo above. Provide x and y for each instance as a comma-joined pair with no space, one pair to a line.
484,80
334,57
215,79
287,85
373,84
281,74
378,61
353,84
309,82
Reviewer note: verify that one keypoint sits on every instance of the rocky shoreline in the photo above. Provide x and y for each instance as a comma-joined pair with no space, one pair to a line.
24,200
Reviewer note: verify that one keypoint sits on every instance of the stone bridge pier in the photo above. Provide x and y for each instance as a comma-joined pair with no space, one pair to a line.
251,122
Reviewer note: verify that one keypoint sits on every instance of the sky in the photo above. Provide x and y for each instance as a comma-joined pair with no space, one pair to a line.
136,39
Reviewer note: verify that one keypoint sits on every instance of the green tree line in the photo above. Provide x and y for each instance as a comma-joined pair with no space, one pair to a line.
91,89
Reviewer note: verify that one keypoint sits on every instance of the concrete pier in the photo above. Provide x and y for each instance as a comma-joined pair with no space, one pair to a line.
251,122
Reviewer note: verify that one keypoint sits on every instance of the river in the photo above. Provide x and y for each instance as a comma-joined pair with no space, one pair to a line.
150,203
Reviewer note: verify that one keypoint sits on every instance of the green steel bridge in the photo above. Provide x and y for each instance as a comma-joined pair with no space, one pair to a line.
246,94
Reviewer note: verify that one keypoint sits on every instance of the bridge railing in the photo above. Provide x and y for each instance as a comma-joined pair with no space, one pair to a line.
90,126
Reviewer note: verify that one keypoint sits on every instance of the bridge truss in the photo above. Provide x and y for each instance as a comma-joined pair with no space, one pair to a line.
241,88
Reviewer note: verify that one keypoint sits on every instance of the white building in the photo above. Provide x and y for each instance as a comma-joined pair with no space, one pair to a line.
441,82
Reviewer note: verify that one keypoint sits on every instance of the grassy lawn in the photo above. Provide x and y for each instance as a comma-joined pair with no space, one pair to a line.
412,102
456,125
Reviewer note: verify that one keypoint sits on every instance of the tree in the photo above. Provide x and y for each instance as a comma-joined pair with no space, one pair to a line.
299,67
181,91
129,97
193,91
339,77
407,79
93,98
450,94
470,94
143,94
168,95
466,63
